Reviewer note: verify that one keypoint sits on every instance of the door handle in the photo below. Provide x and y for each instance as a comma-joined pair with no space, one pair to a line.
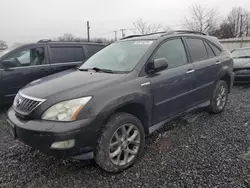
190,71
47,70
218,62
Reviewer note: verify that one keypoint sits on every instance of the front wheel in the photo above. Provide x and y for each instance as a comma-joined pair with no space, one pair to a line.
121,143
219,98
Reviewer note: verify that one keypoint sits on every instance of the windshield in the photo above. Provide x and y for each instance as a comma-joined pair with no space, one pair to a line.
241,53
121,56
13,47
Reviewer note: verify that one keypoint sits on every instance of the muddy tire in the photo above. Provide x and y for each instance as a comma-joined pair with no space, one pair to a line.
121,143
219,98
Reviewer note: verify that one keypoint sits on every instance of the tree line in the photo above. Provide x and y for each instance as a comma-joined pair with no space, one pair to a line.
207,20
235,24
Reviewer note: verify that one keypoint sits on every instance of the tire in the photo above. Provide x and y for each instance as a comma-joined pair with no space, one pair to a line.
215,106
114,150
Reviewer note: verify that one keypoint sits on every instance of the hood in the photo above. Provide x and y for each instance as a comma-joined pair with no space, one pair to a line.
75,82
241,63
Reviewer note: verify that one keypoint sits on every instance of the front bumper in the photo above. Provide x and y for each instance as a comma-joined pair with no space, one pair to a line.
41,134
242,78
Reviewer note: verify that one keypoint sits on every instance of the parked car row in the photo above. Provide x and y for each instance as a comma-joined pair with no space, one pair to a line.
33,61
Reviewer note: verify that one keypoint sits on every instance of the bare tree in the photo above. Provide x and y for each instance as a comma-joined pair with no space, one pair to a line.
3,45
224,31
238,22
142,27
67,37
202,19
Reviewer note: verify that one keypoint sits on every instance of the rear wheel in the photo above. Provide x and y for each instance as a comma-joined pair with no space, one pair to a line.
219,98
121,143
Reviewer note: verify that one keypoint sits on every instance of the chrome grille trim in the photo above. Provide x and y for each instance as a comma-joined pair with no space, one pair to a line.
24,104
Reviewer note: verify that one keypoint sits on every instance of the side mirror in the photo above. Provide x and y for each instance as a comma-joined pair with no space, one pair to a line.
6,65
159,64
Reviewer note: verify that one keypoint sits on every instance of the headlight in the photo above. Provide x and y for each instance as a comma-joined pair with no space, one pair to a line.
66,110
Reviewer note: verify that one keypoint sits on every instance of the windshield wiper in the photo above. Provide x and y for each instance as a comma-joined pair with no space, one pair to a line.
98,70
247,56
102,70
82,69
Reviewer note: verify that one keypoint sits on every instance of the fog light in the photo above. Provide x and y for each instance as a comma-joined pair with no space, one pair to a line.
63,144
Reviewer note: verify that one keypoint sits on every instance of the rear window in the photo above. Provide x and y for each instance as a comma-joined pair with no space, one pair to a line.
209,50
197,49
216,50
92,49
67,54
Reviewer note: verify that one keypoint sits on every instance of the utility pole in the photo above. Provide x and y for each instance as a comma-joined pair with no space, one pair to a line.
247,26
88,30
123,34
115,35
241,20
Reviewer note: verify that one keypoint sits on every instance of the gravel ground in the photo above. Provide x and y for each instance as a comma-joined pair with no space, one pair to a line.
199,150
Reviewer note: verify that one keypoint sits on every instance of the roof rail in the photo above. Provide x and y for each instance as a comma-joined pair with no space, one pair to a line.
131,36
45,40
185,31
167,33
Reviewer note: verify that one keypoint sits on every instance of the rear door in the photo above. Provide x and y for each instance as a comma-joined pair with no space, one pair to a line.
63,57
172,87
207,67
21,67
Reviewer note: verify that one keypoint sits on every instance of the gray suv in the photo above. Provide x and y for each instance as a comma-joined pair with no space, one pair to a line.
106,107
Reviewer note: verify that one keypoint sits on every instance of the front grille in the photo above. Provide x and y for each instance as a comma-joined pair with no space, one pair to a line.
24,105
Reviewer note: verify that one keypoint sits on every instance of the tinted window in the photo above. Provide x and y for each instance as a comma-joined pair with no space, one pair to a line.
216,50
197,49
29,57
92,49
173,51
66,54
209,50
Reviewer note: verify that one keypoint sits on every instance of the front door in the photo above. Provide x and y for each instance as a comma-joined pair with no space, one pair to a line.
172,88
21,67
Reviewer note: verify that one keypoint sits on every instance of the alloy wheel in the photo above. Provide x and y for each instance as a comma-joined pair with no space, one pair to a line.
221,97
124,144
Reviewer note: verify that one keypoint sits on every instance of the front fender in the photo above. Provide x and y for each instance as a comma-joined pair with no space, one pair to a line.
135,98
101,110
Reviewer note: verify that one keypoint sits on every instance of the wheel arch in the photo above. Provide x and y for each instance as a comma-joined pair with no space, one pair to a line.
227,78
138,108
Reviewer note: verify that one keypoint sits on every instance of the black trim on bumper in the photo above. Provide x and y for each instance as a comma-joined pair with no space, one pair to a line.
241,79
41,134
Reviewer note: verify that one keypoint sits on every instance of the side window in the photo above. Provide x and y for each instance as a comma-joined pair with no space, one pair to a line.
197,49
66,54
173,51
92,49
29,57
209,50
216,50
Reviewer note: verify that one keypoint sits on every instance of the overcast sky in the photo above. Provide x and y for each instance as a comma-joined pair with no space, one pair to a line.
30,20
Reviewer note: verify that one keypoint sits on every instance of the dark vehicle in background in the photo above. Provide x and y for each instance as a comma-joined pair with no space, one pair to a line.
33,61
241,58
106,107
